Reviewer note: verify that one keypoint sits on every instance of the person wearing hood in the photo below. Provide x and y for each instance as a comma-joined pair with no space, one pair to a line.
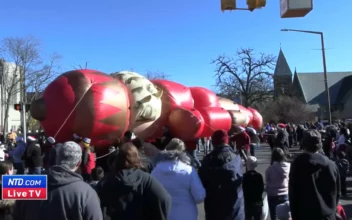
281,140
17,154
314,186
276,179
181,181
221,174
130,193
33,156
6,206
69,197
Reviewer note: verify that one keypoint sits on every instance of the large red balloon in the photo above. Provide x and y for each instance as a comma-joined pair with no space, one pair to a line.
96,105
204,98
86,102
257,121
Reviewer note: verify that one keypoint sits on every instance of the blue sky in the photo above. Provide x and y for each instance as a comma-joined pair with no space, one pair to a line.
180,38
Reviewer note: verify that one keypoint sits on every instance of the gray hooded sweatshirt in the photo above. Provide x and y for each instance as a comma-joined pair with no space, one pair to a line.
69,198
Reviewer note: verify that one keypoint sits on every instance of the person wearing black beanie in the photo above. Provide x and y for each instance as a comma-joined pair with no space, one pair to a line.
221,174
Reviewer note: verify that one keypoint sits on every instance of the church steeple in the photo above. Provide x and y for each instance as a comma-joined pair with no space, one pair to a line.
282,68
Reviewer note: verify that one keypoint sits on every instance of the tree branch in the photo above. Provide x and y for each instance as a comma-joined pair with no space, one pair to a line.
245,74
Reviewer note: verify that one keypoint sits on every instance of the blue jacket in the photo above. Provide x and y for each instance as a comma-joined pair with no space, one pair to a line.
17,153
182,182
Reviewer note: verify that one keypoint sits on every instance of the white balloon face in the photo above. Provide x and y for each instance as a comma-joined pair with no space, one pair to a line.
145,97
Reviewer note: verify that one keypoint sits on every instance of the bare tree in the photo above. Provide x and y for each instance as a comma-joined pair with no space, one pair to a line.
156,75
288,109
24,71
80,67
245,75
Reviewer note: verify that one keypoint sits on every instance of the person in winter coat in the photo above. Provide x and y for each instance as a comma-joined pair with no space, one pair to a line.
344,167
276,179
328,143
180,180
17,154
253,188
281,140
130,193
33,156
191,150
6,206
97,175
314,186
242,141
221,175
88,160
254,139
69,197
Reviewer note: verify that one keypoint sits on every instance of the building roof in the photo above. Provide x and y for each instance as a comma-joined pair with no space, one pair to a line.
313,87
282,68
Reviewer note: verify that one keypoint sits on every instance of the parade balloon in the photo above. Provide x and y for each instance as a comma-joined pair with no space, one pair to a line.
103,107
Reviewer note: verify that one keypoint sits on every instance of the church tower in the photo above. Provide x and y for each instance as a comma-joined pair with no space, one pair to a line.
282,76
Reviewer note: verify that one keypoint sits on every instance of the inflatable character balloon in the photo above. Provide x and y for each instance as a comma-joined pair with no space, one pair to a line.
100,106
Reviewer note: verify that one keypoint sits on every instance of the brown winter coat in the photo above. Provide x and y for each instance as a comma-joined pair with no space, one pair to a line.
6,209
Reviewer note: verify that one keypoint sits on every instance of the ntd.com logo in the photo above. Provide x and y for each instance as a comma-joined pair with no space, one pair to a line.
24,187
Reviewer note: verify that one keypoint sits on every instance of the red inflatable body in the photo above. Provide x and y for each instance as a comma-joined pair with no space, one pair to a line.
102,107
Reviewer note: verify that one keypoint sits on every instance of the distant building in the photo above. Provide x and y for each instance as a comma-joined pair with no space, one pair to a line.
310,89
7,72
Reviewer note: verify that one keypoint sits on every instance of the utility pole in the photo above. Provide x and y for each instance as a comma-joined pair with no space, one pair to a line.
24,122
327,92
2,69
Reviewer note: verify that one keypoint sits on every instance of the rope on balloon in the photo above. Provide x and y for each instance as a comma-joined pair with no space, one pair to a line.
74,108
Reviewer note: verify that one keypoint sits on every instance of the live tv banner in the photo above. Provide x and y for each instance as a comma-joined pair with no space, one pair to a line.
24,187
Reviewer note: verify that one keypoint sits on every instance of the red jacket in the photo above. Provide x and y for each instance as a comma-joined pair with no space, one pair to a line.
90,164
242,140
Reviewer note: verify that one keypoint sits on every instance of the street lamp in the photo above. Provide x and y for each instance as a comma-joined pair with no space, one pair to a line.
324,65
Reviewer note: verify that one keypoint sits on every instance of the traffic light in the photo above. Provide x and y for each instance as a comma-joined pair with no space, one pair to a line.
18,107
228,5
255,4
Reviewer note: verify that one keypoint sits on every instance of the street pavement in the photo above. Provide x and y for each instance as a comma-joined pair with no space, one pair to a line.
263,155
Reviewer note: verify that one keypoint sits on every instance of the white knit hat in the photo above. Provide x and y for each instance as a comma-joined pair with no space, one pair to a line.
86,140
31,138
240,128
51,140
251,163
